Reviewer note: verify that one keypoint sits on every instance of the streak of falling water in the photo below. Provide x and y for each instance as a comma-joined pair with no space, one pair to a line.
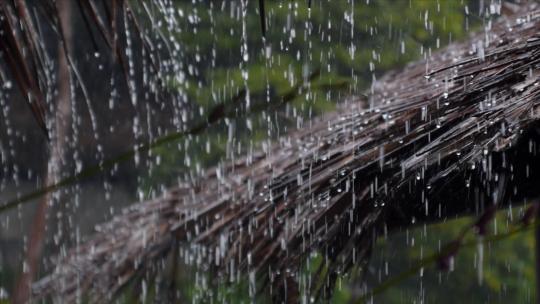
245,52
5,150
480,263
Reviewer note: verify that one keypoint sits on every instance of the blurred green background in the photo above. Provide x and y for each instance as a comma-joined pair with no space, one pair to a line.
351,43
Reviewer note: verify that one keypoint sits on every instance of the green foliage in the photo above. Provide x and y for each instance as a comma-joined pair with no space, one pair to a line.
507,269
223,52
384,34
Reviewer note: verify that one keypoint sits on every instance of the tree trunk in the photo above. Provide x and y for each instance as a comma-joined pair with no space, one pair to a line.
57,144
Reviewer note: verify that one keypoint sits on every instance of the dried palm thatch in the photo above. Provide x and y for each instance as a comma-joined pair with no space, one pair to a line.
427,131
27,29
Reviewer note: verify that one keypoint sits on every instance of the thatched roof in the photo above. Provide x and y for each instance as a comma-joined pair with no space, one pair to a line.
327,188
